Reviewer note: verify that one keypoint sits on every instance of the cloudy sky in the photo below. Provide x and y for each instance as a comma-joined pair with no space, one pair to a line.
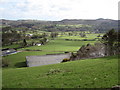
58,9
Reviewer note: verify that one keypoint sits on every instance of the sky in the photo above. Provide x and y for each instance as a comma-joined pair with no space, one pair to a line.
55,10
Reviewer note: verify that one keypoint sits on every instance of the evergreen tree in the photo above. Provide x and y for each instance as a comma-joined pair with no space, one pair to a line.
24,42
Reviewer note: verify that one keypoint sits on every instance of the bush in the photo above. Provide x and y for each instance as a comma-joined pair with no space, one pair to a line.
27,50
5,63
66,52
67,39
84,40
65,60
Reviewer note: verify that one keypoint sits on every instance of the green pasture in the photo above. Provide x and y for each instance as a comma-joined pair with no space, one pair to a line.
19,59
88,73
61,42
88,36
58,45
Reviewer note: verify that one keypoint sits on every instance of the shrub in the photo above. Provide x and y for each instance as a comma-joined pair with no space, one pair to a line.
66,52
65,60
27,50
67,39
84,40
5,63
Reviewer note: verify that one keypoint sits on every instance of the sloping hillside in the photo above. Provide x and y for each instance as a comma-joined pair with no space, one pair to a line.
89,73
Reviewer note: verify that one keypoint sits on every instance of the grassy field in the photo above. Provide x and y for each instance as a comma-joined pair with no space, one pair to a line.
89,36
19,60
59,45
89,73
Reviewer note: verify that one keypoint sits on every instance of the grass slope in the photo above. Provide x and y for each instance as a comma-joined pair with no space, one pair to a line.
91,73
19,59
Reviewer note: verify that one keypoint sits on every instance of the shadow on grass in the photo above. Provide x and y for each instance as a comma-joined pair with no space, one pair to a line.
21,64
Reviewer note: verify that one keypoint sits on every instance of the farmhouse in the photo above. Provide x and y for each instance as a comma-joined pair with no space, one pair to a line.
45,59
38,44
29,35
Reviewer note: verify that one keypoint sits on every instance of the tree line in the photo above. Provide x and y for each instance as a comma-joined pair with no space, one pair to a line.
11,36
111,41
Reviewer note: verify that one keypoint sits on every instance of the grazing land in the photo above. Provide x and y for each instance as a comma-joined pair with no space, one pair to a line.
58,45
89,73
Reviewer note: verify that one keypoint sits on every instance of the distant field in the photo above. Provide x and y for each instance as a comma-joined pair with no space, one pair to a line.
88,36
60,41
90,73
59,45
72,26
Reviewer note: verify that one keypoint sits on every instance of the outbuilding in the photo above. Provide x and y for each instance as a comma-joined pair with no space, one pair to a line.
8,52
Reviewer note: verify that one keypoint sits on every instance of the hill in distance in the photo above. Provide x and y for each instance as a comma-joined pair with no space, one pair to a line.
101,25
